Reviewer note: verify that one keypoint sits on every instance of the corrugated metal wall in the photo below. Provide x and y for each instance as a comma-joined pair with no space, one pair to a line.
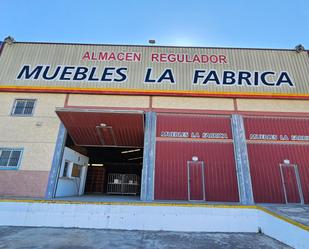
265,172
276,126
172,155
194,123
266,156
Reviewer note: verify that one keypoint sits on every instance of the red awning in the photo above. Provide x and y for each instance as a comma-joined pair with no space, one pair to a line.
103,128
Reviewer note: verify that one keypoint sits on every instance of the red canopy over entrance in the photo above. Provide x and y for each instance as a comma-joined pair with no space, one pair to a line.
102,128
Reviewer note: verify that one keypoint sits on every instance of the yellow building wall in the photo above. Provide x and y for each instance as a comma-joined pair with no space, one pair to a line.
109,101
36,134
193,103
273,105
35,157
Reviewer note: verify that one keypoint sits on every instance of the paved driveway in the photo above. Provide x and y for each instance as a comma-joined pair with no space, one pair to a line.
299,213
64,238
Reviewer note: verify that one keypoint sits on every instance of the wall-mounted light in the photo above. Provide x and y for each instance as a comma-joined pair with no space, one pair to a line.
194,158
286,161
299,48
9,40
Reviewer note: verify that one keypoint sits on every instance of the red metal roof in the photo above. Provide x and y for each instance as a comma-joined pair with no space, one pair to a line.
95,128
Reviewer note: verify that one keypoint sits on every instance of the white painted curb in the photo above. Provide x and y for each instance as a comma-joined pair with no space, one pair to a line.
152,217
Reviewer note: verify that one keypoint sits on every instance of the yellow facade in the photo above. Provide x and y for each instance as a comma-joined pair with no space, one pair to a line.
193,103
153,79
36,134
109,101
273,105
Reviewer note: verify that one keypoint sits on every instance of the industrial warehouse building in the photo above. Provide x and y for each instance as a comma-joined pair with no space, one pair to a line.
160,123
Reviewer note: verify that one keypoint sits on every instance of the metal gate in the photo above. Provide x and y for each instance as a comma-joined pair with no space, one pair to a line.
196,181
291,183
123,184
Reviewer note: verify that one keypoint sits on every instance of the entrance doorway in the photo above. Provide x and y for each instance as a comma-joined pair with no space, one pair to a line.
291,183
196,181
114,171
112,142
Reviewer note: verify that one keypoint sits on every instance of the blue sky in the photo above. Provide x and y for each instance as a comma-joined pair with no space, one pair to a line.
238,23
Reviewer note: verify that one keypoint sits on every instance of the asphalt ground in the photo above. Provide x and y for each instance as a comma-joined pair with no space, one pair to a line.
64,238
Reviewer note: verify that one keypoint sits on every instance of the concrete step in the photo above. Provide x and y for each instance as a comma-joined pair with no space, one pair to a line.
155,217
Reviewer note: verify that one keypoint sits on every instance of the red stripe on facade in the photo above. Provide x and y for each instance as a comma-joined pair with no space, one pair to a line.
196,111
154,93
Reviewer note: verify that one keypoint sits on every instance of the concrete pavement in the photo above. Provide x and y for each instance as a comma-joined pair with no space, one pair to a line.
298,213
63,238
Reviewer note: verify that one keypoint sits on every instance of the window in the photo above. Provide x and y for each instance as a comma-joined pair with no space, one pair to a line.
10,158
23,107
76,170
66,169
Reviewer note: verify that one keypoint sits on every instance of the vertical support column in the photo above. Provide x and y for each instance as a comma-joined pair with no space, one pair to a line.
242,161
56,163
148,172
